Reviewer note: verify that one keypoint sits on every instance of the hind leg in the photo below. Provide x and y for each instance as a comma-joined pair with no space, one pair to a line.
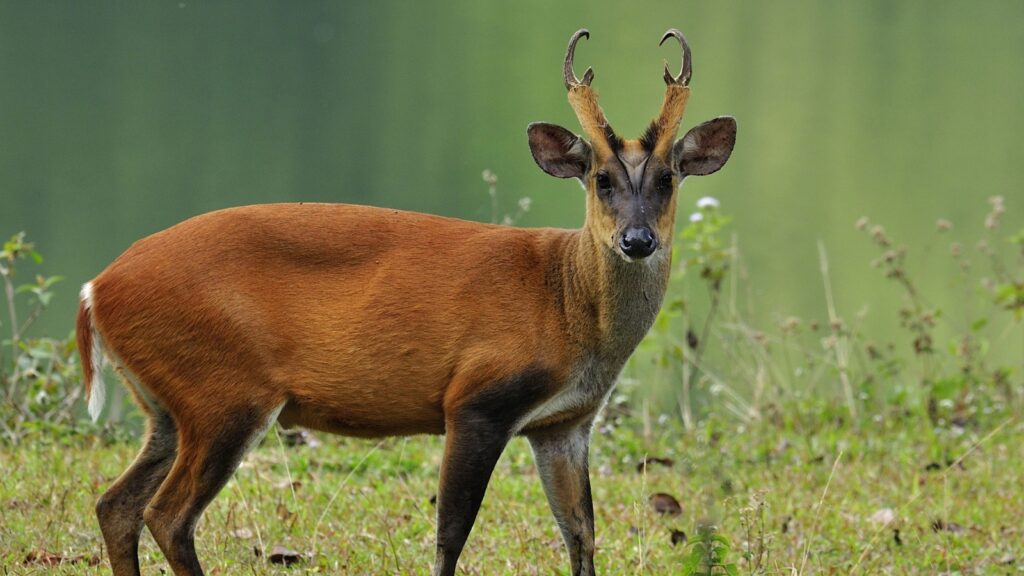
120,508
210,447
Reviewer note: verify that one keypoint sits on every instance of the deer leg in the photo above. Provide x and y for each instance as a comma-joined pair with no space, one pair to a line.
469,458
120,509
209,451
561,457
477,431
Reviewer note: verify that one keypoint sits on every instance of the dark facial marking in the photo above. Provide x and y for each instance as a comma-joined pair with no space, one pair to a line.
603,183
613,140
652,187
650,136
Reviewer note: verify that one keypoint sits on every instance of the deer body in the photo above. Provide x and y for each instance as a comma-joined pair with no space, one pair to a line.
369,338
374,322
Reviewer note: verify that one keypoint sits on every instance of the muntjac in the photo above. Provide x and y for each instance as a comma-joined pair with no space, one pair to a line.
375,322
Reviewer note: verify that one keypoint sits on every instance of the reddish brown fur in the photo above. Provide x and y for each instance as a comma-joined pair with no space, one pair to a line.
358,320
376,333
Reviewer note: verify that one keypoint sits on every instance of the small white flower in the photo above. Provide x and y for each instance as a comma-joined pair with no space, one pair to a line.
696,217
707,202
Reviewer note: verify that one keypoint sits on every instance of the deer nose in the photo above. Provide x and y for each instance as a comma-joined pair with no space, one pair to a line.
638,242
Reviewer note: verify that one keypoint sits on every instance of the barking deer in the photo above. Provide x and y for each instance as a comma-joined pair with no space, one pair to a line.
373,322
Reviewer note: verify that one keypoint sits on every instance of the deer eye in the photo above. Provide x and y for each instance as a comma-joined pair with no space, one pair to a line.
604,183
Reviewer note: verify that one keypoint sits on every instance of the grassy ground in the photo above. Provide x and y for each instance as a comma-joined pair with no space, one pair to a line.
814,501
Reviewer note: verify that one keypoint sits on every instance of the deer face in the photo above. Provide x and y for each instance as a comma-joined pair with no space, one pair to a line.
631,184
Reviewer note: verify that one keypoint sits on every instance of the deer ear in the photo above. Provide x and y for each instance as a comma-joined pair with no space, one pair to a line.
705,148
558,151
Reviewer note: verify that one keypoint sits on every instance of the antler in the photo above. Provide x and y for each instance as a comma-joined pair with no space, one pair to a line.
570,76
685,71
659,136
584,102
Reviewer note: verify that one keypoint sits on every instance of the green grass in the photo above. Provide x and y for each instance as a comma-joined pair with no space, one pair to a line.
363,507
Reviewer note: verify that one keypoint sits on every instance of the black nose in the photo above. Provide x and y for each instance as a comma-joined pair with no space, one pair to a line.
638,242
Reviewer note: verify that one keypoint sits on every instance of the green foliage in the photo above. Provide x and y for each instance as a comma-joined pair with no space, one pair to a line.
708,554
679,342
714,360
701,245
40,375
1008,291
960,379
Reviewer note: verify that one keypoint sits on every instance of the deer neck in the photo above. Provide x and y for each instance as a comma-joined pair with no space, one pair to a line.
616,301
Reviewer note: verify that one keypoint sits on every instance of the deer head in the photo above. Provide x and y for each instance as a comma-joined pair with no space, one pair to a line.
631,184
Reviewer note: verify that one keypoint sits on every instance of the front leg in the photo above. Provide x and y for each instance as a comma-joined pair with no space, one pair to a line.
472,448
477,427
561,456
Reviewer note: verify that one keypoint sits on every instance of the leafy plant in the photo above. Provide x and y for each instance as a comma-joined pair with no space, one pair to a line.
714,359
757,541
699,249
40,375
960,379
708,554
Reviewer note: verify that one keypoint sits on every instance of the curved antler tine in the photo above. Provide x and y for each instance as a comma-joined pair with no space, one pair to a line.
570,76
686,71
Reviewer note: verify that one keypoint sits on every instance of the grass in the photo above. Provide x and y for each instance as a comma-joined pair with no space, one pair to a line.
364,507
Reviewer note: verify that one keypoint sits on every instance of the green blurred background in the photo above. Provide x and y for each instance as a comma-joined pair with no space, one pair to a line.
118,119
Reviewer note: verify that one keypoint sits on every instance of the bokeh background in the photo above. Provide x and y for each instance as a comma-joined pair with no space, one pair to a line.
119,119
